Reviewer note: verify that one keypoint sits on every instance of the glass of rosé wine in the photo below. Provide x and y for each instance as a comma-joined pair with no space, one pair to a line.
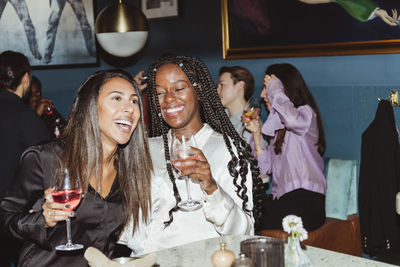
180,152
68,191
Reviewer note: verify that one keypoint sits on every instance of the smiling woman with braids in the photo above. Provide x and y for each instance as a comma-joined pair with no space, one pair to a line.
225,175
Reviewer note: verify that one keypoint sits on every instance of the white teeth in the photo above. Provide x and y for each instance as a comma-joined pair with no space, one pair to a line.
123,122
172,110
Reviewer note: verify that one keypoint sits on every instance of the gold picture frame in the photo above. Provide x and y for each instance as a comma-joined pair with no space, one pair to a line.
231,51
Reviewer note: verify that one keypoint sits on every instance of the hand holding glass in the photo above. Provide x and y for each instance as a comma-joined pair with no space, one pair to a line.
67,191
180,152
252,110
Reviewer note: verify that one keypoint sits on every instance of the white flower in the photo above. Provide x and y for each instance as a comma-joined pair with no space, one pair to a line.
302,233
293,225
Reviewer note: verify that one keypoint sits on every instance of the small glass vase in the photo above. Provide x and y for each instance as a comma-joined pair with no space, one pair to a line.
294,255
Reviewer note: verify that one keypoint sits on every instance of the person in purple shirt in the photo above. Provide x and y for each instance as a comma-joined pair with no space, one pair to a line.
293,156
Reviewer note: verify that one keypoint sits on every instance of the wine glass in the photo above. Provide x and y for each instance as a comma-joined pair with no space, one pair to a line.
67,191
180,152
252,110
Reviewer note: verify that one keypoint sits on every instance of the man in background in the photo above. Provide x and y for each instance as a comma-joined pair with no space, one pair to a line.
20,127
44,108
235,89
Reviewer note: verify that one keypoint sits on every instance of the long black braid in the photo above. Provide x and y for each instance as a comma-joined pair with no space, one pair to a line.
212,113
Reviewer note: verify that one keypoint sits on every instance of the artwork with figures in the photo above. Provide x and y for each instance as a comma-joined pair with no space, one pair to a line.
269,28
160,8
49,32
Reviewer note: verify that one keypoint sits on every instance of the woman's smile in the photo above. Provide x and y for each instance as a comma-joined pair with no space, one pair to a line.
173,111
125,125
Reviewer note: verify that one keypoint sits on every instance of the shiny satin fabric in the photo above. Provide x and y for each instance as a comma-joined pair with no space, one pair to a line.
98,221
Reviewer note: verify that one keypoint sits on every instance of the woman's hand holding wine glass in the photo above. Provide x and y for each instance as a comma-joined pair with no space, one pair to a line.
54,212
191,163
199,170
61,199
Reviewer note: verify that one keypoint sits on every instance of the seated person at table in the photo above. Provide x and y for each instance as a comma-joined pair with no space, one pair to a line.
104,147
223,177
294,154
235,88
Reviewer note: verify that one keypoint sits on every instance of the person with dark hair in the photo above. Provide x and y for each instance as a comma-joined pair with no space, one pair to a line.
20,128
294,154
22,11
236,88
34,97
104,146
57,7
225,175
44,108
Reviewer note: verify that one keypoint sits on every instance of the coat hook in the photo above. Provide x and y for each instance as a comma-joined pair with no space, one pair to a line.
393,98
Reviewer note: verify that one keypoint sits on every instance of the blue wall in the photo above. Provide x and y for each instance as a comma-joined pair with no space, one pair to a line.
346,87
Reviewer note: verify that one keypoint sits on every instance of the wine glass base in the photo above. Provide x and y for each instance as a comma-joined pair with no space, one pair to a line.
69,247
190,206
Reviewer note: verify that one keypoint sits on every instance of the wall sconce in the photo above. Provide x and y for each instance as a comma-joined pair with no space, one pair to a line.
121,29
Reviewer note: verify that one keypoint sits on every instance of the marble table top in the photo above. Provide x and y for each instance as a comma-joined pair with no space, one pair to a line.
198,254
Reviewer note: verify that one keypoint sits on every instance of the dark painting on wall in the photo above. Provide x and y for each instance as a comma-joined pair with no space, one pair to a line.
49,32
296,28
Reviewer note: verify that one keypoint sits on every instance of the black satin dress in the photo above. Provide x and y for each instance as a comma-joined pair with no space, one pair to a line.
98,221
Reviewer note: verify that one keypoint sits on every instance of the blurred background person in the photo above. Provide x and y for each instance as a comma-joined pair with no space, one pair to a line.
44,108
20,127
235,89
294,154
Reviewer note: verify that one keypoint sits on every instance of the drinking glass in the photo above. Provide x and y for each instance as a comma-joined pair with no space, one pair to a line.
67,191
264,251
180,152
252,110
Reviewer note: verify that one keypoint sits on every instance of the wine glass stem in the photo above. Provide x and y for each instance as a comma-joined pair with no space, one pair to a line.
69,239
189,196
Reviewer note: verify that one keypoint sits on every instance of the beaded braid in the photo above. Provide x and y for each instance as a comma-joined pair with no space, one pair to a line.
159,127
214,114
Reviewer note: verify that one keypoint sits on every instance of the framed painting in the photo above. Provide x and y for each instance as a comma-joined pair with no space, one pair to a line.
302,28
160,8
55,32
